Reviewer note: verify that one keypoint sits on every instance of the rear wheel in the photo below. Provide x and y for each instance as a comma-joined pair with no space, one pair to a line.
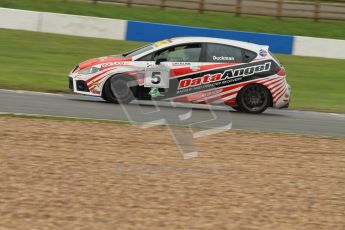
119,89
254,98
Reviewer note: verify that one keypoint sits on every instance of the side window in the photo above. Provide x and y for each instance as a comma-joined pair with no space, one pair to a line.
148,57
180,53
223,53
249,56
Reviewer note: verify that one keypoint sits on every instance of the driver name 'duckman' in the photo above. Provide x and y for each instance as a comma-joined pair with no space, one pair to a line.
228,74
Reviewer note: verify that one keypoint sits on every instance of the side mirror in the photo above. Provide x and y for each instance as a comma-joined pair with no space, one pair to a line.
159,60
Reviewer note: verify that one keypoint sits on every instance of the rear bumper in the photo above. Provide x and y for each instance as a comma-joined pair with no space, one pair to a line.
286,106
283,101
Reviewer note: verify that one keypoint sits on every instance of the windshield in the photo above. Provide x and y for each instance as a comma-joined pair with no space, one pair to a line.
147,48
138,51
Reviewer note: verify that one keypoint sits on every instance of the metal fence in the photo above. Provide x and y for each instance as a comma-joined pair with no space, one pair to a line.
316,10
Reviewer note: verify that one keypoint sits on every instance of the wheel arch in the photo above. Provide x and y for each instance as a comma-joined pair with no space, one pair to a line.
255,83
106,81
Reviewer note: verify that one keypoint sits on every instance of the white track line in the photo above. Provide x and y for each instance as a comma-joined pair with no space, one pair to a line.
32,92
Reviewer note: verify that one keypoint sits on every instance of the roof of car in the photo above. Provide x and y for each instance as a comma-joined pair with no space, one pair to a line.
246,45
183,40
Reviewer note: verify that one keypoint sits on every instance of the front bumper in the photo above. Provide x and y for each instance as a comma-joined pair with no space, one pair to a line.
78,85
70,83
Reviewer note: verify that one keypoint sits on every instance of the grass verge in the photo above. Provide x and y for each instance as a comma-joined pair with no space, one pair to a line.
41,62
303,27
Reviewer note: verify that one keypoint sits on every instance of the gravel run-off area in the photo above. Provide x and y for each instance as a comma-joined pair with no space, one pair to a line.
58,174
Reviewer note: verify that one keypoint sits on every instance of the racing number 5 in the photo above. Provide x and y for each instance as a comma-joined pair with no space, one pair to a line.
156,77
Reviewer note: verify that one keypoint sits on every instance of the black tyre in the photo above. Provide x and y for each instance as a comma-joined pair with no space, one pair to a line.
107,95
254,98
119,89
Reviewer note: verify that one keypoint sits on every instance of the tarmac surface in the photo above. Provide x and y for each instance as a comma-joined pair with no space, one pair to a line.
78,106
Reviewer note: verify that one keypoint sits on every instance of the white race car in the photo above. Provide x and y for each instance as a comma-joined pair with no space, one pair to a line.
243,75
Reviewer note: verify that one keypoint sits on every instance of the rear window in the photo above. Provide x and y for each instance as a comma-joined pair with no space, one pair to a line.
249,56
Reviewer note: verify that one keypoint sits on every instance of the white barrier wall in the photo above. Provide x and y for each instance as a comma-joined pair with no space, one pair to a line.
63,24
84,26
319,47
19,19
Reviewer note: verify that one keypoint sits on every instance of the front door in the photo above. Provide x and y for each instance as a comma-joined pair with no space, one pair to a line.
184,62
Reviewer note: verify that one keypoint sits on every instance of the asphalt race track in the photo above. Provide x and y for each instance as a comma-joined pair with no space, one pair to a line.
70,105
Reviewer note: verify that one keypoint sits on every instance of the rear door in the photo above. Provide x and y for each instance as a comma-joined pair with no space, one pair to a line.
216,59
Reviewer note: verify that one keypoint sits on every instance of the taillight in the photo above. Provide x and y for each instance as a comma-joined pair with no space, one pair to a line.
282,72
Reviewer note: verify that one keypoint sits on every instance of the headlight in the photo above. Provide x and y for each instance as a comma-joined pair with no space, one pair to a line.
89,70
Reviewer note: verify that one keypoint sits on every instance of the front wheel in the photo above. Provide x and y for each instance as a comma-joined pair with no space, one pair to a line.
119,89
254,98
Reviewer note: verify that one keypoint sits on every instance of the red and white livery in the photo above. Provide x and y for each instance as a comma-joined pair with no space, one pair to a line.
243,75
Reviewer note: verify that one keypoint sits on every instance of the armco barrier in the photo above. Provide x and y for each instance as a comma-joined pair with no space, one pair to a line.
149,32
